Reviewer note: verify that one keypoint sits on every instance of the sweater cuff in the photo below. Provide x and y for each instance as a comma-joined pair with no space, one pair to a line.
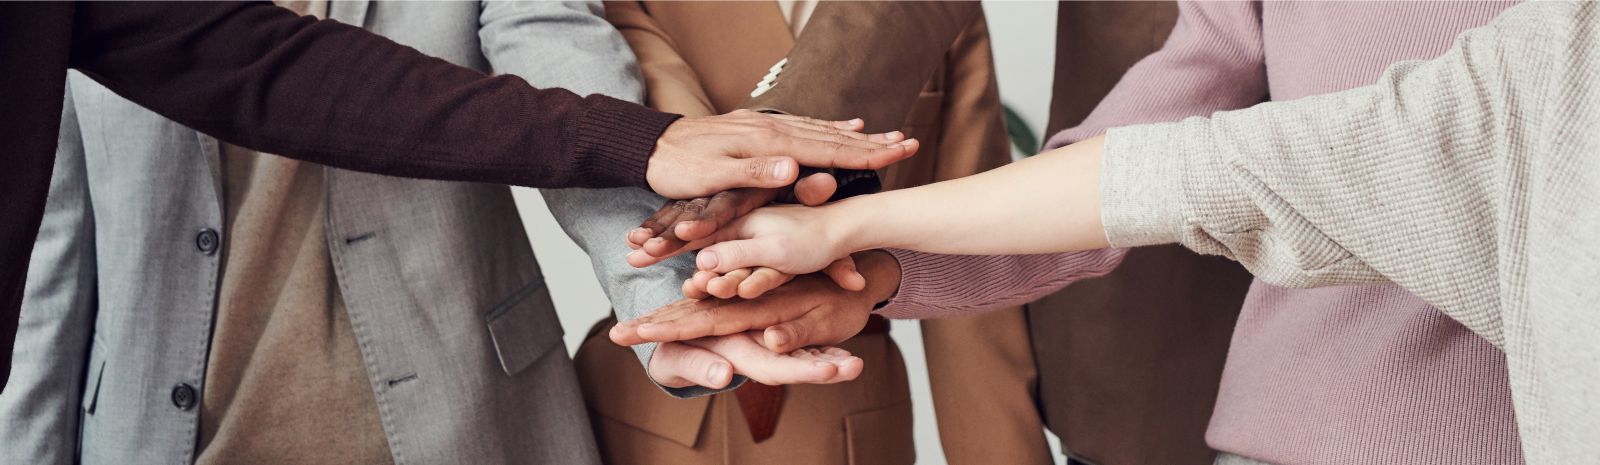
1141,185
613,141
920,277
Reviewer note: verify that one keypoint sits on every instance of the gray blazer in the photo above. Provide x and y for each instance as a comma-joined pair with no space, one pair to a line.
455,326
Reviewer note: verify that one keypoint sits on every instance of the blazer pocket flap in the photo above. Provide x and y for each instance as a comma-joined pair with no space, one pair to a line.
524,327
617,389
881,436
91,387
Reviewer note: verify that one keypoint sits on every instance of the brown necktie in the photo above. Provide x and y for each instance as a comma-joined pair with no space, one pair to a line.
760,404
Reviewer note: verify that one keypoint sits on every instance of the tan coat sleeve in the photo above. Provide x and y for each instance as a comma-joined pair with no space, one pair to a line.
981,367
670,83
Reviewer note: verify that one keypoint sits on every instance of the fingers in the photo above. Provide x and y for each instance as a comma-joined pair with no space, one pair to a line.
846,138
640,258
679,365
727,285
761,281
655,224
815,189
694,290
723,208
846,367
850,128
692,319
811,329
843,272
813,366
724,257
833,154
854,124
695,286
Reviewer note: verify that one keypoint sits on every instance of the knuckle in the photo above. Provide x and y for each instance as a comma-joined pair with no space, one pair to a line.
758,168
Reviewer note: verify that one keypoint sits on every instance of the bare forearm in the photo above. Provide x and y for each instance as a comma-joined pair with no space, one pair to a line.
1047,203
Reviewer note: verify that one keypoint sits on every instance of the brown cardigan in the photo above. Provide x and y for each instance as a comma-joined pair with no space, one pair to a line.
264,78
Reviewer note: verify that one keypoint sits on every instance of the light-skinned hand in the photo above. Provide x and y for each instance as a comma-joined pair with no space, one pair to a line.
700,156
666,232
711,362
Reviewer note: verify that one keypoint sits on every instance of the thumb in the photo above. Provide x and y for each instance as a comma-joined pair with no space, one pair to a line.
815,189
724,257
811,329
677,365
765,172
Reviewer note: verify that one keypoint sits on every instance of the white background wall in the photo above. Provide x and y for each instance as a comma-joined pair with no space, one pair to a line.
1023,35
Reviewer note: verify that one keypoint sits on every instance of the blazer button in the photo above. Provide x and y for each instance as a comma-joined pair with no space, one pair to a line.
207,241
184,397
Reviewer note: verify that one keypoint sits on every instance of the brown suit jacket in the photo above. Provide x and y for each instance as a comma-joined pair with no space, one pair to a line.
705,58
1129,362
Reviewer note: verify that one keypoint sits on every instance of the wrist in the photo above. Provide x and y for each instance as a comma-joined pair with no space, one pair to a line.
845,227
882,272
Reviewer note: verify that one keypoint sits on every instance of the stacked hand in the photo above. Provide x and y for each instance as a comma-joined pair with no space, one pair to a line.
754,335
767,339
700,156
792,312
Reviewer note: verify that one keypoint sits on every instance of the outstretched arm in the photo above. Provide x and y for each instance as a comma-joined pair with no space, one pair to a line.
265,78
1384,182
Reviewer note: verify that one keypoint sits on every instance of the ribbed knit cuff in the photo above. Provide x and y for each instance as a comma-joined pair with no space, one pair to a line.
613,141
936,285
1141,185
920,282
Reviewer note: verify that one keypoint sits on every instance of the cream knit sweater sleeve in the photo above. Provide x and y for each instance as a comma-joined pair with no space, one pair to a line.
1403,180
1472,180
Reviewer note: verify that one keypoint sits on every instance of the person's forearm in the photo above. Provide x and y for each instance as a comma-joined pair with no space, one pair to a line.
261,77
1047,203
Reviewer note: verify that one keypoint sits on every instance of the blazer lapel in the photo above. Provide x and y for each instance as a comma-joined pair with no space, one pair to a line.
211,149
730,45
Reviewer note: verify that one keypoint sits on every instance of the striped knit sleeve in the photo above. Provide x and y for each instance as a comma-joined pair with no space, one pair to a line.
936,285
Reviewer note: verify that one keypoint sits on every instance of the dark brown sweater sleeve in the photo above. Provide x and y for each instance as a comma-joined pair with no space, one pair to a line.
262,77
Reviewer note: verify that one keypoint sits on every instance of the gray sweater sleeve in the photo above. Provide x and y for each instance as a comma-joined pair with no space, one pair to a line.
526,39
1406,180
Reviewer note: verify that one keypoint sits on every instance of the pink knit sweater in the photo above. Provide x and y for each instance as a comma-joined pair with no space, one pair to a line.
1359,374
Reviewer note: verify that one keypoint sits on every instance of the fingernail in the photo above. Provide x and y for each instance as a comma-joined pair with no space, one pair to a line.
780,171
821,364
717,372
654,241
707,260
